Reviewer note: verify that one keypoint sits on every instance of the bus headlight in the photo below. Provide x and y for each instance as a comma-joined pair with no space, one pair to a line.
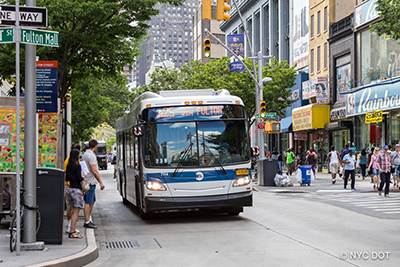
155,186
241,181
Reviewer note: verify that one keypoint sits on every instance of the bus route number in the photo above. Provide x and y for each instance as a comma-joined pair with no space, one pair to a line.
165,113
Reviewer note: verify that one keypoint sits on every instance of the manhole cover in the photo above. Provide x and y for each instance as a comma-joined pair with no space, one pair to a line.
120,244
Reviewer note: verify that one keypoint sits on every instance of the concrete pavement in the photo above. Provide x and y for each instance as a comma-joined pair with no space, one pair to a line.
323,184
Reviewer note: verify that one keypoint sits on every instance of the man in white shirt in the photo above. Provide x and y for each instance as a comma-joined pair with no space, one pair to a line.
93,177
333,163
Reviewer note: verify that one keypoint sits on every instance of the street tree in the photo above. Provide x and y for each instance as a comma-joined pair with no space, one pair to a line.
96,37
216,75
389,12
96,100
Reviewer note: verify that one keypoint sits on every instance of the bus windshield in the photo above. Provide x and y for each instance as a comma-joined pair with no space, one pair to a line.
202,143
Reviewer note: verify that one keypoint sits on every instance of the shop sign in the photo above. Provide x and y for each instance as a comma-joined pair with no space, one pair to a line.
337,114
365,12
375,97
300,136
302,119
372,117
308,90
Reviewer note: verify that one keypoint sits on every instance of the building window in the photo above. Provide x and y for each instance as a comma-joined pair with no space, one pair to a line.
325,55
312,60
318,58
325,18
319,22
312,26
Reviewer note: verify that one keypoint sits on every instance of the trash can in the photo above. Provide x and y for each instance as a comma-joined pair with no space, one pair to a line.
266,170
305,174
50,200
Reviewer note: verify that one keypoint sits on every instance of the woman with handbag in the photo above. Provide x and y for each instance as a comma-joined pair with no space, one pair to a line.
74,175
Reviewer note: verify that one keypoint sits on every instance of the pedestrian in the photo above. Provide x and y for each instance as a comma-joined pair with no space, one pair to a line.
384,163
333,162
275,154
290,161
66,194
75,177
280,161
93,177
312,160
396,162
345,151
350,169
114,162
368,162
374,167
363,162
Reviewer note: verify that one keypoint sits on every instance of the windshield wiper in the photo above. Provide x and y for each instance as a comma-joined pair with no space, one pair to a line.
219,163
187,152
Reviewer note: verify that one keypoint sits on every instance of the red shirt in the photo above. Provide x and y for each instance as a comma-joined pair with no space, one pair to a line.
385,161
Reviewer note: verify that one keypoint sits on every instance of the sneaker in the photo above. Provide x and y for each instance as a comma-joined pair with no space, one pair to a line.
90,225
333,181
380,193
374,187
68,231
387,195
344,187
353,189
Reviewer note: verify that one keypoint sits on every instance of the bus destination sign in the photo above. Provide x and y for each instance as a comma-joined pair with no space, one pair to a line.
171,112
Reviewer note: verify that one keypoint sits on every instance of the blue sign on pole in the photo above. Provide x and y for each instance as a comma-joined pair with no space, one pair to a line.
236,45
46,86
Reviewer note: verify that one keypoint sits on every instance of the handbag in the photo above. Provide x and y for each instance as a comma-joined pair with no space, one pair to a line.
85,186
392,169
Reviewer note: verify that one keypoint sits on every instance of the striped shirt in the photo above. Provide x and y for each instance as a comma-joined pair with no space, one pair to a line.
385,161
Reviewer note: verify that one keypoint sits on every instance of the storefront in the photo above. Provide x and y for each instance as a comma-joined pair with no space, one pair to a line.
308,123
340,129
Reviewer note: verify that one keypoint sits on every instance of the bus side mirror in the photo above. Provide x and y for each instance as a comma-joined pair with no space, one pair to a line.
255,151
138,130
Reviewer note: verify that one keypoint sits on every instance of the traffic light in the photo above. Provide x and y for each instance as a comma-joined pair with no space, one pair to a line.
207,47
221,8
272,127
263,110
206,9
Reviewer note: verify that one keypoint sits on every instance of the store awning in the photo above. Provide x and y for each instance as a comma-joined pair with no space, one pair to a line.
286,125
313,116
338,125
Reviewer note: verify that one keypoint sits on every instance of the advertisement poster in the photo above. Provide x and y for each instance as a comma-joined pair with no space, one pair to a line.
46,86
308,90
343,77
300,33
320,85
236,44
8,148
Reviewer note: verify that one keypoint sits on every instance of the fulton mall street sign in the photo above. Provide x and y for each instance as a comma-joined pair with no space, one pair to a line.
28,16
30,36
39,37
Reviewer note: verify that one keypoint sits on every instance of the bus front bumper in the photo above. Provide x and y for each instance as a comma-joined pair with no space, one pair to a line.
244,199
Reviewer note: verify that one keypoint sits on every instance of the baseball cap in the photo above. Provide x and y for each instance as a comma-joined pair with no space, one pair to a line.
385,147
397,145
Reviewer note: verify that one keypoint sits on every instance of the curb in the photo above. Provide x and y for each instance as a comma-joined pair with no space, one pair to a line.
83,257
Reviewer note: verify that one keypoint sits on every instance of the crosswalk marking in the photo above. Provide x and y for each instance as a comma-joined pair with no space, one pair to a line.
392,212
386,209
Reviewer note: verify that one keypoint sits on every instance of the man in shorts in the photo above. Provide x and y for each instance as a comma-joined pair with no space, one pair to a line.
333,162
93,178
290,161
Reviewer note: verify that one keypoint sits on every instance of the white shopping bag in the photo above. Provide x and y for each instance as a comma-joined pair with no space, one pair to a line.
298,176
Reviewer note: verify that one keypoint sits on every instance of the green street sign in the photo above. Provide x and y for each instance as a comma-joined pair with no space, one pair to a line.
271,115
39,37
6,35
257,116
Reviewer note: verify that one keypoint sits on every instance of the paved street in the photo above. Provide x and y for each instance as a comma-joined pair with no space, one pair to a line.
308,229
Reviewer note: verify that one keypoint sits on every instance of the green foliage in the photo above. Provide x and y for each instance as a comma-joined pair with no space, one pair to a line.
110,142
390,14
96,37
216,75
97,100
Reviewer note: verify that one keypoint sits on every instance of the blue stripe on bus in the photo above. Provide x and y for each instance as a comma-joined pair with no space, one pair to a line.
190,176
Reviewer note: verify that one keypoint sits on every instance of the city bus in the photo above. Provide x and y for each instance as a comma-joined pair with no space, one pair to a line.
185,150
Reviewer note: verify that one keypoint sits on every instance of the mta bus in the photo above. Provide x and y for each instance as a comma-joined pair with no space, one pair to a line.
185,150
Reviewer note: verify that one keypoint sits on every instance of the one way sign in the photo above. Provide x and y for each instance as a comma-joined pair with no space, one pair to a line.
28,16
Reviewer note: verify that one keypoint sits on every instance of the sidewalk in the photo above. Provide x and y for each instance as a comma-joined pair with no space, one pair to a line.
72,252
323,184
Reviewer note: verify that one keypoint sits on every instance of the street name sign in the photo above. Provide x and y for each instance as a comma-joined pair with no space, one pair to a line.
28,16
270,115
6,35
39,37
